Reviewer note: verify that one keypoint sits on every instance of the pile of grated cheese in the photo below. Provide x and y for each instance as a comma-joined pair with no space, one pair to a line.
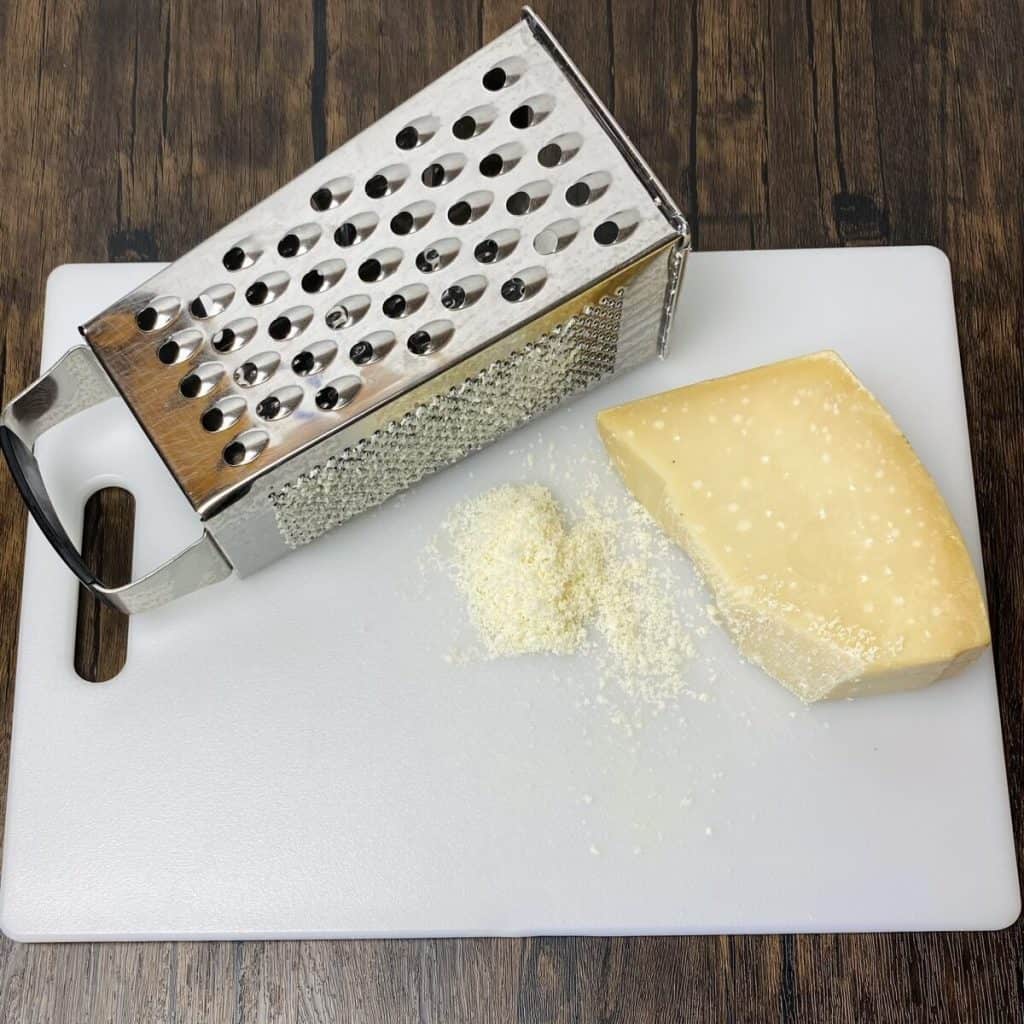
537,583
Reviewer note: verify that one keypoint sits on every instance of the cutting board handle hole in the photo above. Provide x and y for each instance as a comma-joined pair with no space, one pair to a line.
101,632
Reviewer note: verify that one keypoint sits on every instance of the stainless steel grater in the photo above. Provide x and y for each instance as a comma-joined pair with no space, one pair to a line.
490,247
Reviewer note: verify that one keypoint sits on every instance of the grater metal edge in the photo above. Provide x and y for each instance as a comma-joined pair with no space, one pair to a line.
577,254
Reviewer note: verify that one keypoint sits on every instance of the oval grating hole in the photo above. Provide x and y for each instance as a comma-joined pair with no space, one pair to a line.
497,246
158,314
556,236
386,181
234,335
561,149
279,404
430,337
331,194
616,228
223,414
266,289
180,347
241,255
257,369
338,393
443,170
435,257
355,230
416,132
347,312
502,75
201,381
315,359
246,447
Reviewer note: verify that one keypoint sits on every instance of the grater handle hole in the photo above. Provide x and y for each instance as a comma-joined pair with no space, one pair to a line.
101,631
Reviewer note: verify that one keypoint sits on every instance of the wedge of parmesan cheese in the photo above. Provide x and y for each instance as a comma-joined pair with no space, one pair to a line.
833,558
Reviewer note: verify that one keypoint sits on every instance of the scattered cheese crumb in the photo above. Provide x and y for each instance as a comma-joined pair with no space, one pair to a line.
535,583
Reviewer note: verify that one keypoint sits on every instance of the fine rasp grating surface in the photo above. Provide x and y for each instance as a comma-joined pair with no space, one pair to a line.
443,430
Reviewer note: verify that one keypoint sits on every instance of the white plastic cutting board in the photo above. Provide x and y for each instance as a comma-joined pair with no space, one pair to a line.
292,755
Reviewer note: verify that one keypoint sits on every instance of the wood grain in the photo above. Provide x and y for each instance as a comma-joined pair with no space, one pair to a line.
129,131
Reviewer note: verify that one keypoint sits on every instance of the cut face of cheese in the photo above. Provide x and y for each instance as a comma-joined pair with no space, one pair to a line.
833,558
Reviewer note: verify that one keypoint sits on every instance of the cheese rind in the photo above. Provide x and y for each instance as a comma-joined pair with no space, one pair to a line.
833,558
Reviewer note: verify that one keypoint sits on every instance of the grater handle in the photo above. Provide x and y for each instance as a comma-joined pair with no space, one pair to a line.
74,383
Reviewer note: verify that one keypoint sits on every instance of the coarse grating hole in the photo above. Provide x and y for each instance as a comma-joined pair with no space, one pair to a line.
256,370
234,258
460,213
495,79
338,393
464,127
246,447
180,347
202,380
501,160
560,150
224,413
371,348
616,228
407,138
405,301
323,276
464,292
588,189
291,323
492,165
212,301
380,265
502,75
529,198
430,337
496,246
267,288
470,207
158,314
371,270
416,132
331,194
299,240
356,229
280,403
402,223
234,335
474,122
443,170
412,218
242,255
169,352
386,181
348,311
146,318
556,236
438,255
523,285
532,112
315,359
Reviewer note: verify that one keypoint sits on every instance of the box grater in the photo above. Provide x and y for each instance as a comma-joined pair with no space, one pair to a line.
490,247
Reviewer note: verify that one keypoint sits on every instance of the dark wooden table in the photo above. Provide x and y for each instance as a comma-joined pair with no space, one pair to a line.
130,131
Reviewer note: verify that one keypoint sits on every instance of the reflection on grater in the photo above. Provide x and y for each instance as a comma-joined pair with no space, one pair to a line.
490,247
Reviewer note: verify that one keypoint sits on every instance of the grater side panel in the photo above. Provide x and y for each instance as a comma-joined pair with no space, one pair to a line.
196,401
469,407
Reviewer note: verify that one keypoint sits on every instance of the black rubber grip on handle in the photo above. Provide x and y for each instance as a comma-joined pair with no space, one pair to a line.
25,470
